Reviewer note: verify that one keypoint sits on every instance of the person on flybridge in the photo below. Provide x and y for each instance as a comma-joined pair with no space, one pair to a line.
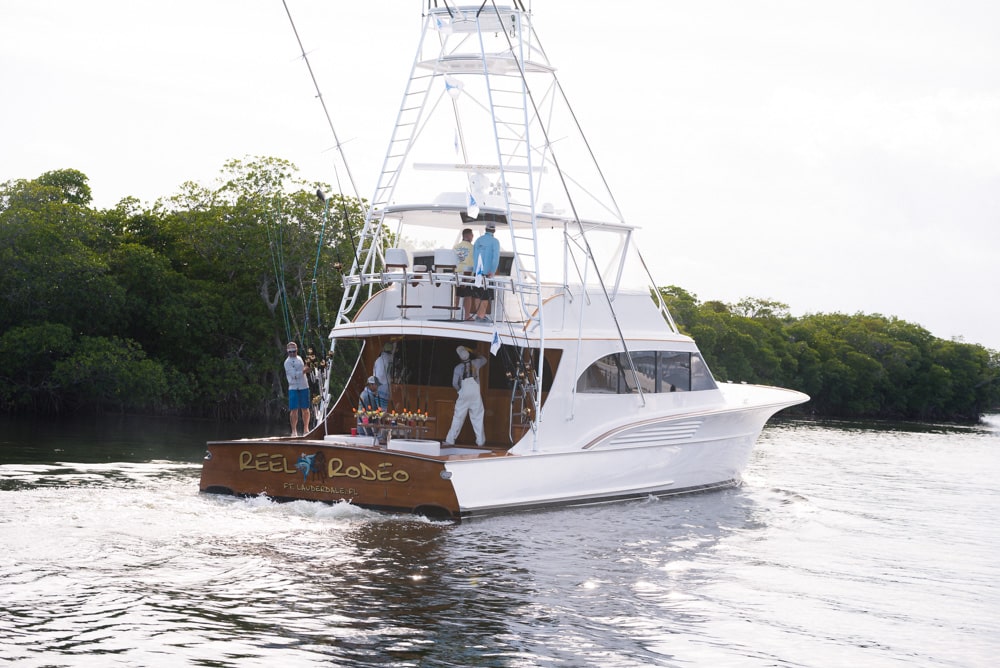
465,379
486,258
463,250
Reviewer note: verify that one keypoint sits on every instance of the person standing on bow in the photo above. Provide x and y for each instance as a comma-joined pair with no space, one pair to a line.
486,259
382,370
465,379
298,389
463,250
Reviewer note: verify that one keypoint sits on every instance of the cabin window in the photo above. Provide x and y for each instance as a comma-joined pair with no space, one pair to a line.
655,371
601,377
675,372
645,369
701,377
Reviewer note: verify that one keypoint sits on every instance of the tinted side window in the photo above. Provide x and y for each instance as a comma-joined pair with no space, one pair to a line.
657,371
645,367
701,377
675,372
601,377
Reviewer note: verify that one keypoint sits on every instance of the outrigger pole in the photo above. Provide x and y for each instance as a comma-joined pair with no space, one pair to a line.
326,112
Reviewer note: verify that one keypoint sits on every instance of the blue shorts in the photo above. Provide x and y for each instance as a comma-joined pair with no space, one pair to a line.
298,400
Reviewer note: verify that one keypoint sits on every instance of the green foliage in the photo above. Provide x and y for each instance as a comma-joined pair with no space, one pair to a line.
181,307
28,355
70,182
110,374
52,258
851,365
185,307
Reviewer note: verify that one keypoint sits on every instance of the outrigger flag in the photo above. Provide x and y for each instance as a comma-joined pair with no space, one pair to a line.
495,346
480,281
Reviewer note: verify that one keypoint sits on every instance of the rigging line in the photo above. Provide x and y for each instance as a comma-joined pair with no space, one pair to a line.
326,112
451,14
660,303
292,330
345,224
313,293
274,266
277,261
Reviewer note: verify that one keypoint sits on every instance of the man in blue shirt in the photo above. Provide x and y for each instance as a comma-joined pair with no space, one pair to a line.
485,260
369,401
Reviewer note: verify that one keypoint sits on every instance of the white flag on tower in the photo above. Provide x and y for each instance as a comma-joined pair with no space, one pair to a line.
480,281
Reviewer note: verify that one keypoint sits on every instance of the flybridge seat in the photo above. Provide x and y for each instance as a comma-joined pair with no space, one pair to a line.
445,262
397,262
428,283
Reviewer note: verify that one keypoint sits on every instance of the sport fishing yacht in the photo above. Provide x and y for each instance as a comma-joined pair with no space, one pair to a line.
589,391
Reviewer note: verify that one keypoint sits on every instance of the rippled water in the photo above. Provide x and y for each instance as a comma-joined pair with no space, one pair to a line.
848,545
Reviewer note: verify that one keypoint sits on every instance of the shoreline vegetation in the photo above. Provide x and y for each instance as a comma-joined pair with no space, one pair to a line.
183,308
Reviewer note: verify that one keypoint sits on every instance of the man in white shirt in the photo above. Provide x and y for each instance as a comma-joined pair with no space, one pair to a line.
463,249
465,379
382,370
296,371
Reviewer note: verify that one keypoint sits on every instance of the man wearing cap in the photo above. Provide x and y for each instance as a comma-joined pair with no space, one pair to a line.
369,399
369,396
382,371
486,259
298,388
470,400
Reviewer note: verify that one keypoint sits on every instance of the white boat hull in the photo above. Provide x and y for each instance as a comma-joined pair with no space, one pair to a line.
705,451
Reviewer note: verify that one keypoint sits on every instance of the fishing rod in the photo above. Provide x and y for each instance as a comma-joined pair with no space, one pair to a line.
319,248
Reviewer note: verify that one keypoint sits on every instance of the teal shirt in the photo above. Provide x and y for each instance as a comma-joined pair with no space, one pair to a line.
488,248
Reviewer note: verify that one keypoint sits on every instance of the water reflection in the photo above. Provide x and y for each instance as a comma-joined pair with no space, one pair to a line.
117,438
116,555
532,589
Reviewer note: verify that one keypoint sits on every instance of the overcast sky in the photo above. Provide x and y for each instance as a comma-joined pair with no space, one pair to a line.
835,156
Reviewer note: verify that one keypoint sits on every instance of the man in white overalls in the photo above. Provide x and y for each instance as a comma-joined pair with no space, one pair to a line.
470,401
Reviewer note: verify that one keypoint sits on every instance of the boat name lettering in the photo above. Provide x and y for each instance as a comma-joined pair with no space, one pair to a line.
278,463
299,487
264,462
365,472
